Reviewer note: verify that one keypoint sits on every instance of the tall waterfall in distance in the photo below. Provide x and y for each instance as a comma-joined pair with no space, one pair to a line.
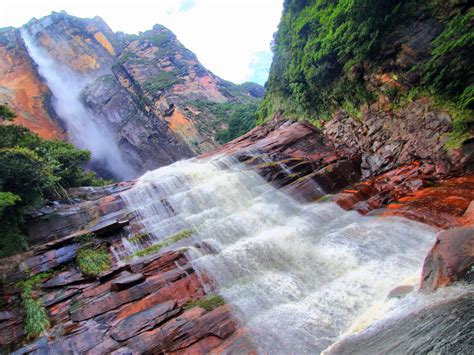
84,131
298,275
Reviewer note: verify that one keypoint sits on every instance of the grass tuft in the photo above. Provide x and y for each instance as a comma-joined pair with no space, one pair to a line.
208,303
153,249
92,261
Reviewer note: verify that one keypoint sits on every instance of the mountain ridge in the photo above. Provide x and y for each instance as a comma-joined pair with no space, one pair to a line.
166,105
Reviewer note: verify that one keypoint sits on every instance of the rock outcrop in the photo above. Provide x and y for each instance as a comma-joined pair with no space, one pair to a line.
385,139
450,260
294,156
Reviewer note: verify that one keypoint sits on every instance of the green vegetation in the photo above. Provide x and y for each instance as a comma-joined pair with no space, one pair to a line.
6,113
208,303
93,260
239,118
315,49
153,249
138,237
32,169
163,81
36,321
325,50
450,70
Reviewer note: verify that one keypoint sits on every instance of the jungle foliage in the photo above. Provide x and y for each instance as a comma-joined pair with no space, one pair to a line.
33,169
320,44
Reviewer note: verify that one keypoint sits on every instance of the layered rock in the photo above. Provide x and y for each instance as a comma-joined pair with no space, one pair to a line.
294,156
137,306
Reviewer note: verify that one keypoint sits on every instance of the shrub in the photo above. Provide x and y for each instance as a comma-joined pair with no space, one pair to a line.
32,169
6,113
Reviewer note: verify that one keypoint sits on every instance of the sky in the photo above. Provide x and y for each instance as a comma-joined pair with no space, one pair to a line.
230,37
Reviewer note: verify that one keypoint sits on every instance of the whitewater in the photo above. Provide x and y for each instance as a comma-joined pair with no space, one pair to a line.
299,277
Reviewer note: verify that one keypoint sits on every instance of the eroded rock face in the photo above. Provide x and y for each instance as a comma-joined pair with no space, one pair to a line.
22,88
386,139
450,260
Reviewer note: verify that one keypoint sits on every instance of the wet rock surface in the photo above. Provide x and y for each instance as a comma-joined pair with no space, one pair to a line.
137,306
450,260
294,156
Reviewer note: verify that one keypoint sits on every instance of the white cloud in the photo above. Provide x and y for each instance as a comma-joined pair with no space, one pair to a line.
226,35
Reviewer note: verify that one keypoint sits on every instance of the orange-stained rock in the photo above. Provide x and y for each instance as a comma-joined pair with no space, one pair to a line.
445,204
406,192
144,320
21,87
181,291
451,259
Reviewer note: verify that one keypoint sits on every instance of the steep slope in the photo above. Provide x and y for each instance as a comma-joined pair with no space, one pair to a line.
23,89
345,55
144,95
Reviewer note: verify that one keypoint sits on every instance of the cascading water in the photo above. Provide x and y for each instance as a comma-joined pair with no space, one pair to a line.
298,275
84,130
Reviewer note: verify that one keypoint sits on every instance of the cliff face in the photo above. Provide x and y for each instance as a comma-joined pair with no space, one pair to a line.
149,92
22,88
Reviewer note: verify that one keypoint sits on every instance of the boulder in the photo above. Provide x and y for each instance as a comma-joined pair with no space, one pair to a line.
451,259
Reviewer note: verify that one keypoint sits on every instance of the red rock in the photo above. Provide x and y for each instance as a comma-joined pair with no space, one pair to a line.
185,330
238,343
450,259
110,301
445,204
144,320
468,217
180,291
203,346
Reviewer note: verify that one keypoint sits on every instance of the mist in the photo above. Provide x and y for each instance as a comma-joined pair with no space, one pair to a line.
84,129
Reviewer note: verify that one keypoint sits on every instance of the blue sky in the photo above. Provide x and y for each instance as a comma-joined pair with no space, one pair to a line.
230,37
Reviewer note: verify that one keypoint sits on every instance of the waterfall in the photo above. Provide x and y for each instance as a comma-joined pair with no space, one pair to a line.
84,130
298,276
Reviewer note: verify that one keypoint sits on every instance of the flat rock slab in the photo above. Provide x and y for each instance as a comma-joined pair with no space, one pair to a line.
144,320
126,281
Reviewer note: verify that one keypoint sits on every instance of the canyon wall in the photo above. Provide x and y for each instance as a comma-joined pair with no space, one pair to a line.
147,92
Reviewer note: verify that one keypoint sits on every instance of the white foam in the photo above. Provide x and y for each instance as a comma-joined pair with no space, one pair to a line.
298,275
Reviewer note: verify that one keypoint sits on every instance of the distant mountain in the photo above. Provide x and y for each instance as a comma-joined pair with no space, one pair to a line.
73,78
